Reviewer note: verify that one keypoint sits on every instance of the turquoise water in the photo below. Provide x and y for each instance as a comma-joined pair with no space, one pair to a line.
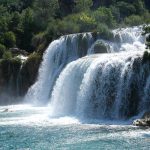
25,128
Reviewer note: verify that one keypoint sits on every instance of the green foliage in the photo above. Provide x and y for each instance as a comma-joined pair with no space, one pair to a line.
44,11
104,15
104,32
2,50
82,5
28,29
9,39
38,40
16,61
146,17
34,57
126,9
7,55
33,24
134,20
86,22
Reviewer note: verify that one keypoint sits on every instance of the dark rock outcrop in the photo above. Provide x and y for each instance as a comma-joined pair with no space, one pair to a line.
16,77
144,121
17,51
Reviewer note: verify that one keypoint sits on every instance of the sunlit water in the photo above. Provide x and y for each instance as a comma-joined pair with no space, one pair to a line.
24,127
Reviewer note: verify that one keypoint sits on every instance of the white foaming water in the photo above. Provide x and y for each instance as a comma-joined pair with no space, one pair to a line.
101,86
70,83
96,86
59,53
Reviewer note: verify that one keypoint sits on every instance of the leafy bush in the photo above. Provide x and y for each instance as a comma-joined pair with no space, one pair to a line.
146,18
39,41
2,50
134,20
104,15
104,32
34,57
86,22
7,55
16,61
9,39
82,5
126,9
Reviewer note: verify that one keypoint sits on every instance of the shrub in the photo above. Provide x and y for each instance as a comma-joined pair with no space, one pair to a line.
126,9
9,39
104,15
2,50
86,22
16,61
39,41
34,57
104,32
134,20
146,17
7,55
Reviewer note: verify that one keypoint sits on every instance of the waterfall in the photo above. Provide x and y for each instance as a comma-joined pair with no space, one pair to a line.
103,86
57,56
75,79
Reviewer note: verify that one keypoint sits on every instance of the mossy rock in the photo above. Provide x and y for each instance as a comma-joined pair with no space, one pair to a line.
29,72
82,45
146,57
100,47
2,50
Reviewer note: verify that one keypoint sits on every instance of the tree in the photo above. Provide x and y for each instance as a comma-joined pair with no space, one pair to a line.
9,39
66,7
44,11
126,9
82,5
27,29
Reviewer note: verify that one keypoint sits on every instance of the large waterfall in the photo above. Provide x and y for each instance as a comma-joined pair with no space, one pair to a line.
113,83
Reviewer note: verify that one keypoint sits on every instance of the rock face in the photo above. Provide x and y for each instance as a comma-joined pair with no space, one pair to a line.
17,51
16,77
144,121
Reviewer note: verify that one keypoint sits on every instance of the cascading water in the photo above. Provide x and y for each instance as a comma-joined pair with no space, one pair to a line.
59,53
96,86
107,86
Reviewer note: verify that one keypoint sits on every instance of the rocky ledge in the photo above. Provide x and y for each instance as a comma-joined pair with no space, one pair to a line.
144,121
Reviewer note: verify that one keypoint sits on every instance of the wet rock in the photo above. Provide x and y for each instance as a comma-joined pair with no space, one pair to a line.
100,47
144,121
17,51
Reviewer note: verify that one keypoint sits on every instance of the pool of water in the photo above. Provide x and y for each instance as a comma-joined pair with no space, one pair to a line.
23,127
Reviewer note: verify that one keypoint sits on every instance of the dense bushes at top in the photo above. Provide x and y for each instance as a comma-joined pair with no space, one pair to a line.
33,24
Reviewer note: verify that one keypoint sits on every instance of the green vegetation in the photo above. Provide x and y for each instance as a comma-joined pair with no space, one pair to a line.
32,24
